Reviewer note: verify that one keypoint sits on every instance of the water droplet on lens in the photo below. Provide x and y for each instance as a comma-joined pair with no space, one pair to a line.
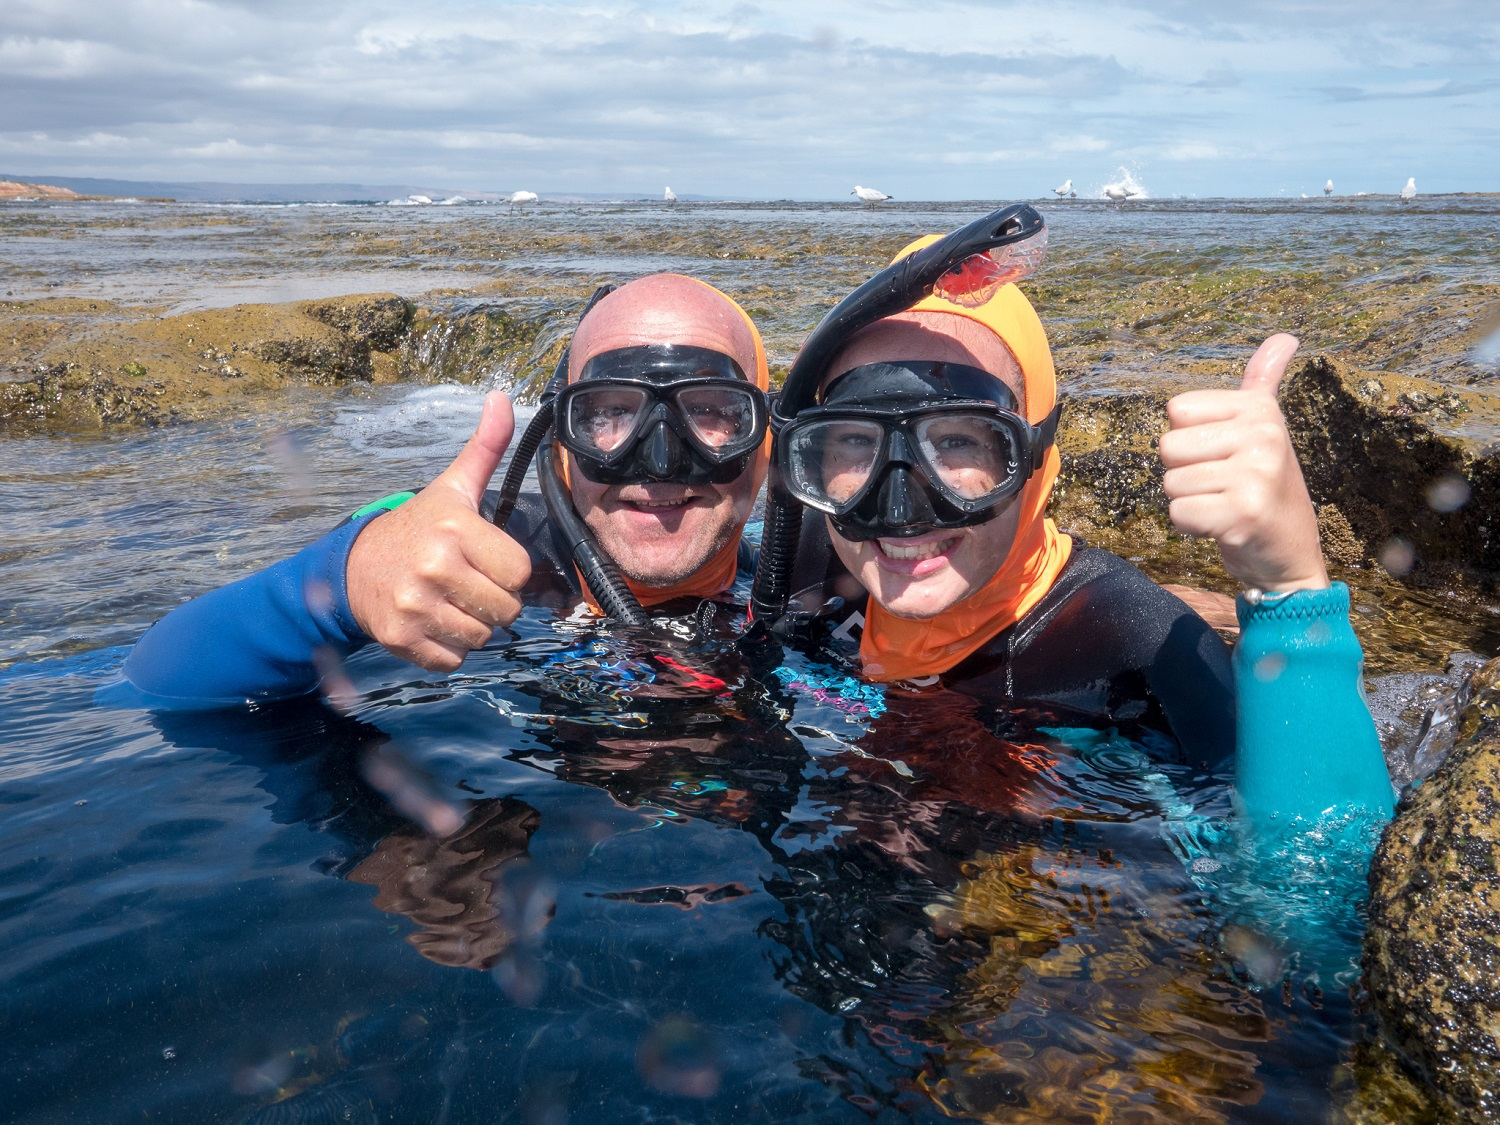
1398,557
1448,493
677,1056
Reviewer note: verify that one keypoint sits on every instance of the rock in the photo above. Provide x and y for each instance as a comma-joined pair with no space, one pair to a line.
1378,469
379,322
57,371
1432,950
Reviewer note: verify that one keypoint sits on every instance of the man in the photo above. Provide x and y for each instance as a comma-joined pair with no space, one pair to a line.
666,372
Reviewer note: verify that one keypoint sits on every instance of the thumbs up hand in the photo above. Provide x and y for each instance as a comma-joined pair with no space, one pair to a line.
1233,476
431,579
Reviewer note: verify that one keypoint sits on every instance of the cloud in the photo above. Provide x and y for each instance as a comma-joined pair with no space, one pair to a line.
1196,150
773,99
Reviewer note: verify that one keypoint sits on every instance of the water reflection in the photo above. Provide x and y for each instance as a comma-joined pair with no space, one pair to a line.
750,897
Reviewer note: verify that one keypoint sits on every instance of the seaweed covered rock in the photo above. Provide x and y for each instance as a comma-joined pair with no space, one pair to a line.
1396,478
84,364
1391,455
1432,952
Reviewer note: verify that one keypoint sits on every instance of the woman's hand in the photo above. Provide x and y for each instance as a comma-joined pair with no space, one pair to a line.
1233,476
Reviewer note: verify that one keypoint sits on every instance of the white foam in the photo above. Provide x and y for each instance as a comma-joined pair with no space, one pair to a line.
1125,185
426,422
1487,351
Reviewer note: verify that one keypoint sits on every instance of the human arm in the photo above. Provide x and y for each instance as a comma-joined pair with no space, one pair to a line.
1305,741
256,639
429,580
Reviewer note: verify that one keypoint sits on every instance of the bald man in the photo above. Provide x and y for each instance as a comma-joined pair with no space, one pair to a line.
663,424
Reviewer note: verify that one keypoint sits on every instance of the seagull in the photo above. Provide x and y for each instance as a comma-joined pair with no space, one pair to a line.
1066,191
521,198
1328,188
1409,192
670,196
869,194
1118,192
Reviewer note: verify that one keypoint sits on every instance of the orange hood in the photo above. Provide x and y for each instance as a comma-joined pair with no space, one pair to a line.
899,648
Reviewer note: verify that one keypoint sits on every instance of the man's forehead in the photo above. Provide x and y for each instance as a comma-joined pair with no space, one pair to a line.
663,310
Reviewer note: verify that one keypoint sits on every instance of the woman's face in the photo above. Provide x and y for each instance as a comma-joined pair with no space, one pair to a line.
922,576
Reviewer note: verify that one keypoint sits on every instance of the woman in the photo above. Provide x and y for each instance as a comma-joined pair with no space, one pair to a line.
929,450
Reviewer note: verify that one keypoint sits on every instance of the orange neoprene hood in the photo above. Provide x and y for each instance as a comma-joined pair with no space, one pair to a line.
899,648
718,573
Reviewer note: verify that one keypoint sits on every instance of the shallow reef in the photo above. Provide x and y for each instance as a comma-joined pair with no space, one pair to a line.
1430,953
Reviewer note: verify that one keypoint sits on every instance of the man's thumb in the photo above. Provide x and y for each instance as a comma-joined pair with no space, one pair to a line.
476,463
1266,367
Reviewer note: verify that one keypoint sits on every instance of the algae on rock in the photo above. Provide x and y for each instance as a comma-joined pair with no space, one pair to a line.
1432,951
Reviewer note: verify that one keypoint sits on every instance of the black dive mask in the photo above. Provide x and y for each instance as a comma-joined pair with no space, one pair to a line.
902,448
661,412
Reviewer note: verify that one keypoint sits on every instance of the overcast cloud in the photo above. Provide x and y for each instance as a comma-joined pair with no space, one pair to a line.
943,99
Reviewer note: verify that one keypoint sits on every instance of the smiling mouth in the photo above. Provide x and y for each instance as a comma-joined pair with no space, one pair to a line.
660,505
914,552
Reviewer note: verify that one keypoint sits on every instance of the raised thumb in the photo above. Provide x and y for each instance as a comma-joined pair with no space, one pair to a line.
1267,366
477,461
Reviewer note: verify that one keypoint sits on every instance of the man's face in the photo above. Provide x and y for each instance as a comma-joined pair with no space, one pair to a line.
925,575
659,533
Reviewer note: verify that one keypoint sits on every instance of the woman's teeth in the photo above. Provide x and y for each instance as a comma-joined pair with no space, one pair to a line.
918,551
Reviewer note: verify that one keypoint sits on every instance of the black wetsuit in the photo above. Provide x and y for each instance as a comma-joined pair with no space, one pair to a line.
1106,644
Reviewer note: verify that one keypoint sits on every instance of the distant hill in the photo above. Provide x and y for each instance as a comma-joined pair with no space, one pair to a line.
215,192
22,189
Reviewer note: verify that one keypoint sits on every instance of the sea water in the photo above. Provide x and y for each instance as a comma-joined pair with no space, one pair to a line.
575,882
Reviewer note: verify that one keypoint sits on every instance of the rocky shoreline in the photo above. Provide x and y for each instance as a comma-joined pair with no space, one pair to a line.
1404,490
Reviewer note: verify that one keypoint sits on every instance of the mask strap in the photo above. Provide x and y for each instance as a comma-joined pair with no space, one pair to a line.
1043,434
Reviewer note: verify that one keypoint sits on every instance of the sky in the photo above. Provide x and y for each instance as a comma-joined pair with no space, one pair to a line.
928,100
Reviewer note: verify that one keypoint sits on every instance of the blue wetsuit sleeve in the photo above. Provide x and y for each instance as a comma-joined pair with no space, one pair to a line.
260,638
1305,743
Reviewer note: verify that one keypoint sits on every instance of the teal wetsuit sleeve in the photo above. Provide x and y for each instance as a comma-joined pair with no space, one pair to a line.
1304,741
260,638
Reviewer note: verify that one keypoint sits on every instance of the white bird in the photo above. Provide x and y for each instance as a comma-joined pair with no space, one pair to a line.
869,194
1065,191
1328,188
1118,192
670,196
521,198
1409,192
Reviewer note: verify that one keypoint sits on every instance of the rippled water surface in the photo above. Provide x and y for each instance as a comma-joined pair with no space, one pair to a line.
573,883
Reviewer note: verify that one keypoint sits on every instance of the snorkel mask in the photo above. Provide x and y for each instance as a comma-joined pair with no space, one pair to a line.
900,448
661,412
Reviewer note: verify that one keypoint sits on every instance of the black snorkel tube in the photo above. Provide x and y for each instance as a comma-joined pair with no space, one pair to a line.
596,568
894,289
536,431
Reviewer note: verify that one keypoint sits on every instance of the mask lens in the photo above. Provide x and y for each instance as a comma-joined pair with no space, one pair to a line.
721,418
973,456
603,420
831,461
